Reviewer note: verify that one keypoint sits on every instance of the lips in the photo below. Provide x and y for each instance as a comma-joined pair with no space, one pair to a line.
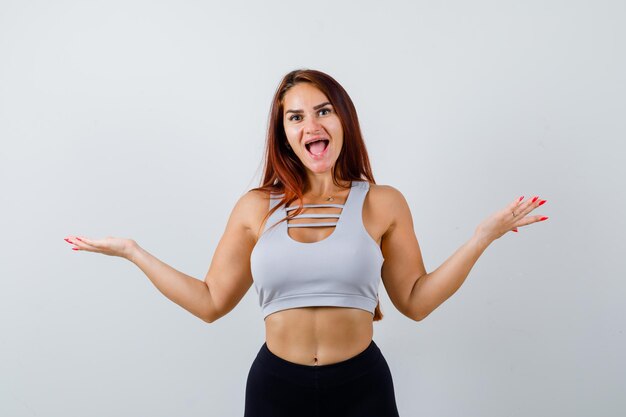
313,139
315,146
317,149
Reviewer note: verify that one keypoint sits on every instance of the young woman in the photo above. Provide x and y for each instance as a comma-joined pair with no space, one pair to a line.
315,239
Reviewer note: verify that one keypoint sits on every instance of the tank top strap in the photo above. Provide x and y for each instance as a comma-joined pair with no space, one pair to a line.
274,199
351,215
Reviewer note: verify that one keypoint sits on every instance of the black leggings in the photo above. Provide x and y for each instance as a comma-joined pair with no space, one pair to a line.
360,386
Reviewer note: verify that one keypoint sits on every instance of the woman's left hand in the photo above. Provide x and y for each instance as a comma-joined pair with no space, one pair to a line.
509,219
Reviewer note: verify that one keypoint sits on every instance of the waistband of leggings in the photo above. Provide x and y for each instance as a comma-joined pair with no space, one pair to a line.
355,365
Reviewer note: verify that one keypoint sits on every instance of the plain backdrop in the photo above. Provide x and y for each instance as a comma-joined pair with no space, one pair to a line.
147,120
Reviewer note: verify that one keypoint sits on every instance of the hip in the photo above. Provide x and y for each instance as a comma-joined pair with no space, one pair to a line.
359,386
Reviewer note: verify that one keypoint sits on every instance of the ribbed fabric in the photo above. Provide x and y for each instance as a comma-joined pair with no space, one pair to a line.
342,270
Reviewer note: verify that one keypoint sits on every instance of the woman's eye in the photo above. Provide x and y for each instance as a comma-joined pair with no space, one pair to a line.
291,118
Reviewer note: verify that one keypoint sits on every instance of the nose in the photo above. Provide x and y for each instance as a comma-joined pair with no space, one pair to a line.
312,126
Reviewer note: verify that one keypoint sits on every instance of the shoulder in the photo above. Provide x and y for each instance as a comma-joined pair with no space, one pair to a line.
386,195
252,207
389,202
254,201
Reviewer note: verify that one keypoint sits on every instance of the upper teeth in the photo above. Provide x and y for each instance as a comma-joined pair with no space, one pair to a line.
314,140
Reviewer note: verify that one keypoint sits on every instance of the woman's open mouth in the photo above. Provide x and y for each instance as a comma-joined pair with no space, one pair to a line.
317,149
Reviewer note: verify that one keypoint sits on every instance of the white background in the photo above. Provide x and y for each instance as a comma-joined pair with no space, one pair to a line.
147,120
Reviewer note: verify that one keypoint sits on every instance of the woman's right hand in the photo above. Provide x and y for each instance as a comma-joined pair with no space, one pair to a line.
112,246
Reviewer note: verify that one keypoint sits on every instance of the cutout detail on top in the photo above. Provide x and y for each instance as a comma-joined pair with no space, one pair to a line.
320,235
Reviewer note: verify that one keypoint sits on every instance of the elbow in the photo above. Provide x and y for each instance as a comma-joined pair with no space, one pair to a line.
416,318
416,309
209,317
419,316
413,316
424,314
213,315
210,311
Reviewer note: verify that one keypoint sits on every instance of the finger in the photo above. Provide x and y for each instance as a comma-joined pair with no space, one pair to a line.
78,243
514,209
71,243
516,203
530,220
525,204
88,242
534,204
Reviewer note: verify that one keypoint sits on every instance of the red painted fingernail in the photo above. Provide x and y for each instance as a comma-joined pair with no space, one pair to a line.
520,199
79,239
535,199
74,248
541,202
543,218
515,230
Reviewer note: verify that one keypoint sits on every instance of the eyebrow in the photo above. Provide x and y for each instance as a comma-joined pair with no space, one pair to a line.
314,108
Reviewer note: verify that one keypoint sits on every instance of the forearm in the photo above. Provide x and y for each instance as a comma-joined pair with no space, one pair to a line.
190,293
432,289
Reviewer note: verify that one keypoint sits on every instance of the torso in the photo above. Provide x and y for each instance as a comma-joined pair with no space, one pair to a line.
325,335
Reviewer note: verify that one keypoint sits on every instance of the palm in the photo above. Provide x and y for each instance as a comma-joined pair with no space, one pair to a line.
112,246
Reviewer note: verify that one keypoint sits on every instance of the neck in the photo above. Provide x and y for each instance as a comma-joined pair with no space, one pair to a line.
323,187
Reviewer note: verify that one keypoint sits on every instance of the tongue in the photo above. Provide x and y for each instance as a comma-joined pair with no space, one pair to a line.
318,147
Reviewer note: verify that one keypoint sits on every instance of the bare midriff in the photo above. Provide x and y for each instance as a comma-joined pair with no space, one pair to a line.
318,335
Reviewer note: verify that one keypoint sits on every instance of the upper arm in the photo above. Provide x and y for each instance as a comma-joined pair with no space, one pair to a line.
229,276
403,264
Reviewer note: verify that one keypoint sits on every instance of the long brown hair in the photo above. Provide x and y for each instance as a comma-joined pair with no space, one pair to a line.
283,170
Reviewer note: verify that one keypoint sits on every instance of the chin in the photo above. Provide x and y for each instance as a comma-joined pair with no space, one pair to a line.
320,170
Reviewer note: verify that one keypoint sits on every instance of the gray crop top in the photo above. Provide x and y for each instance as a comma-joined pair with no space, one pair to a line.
342,270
